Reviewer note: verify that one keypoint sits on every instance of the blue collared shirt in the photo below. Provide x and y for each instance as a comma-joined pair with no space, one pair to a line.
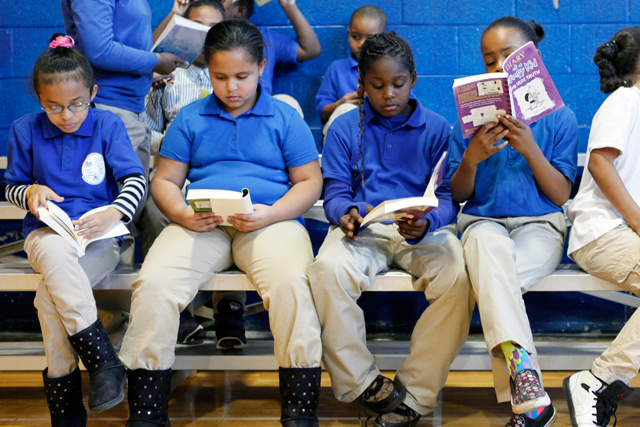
279,49
116,36
505,185
340,79
254,150
398,161
83,167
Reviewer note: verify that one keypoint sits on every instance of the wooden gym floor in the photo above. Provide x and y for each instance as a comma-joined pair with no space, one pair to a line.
242,398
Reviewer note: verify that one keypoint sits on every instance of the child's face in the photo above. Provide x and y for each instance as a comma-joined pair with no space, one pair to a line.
360,30
234,77
497,44
388,84
208,16
64,93
233,10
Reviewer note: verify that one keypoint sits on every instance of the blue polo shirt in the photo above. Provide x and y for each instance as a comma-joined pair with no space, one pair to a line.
116,36
505,186
83,167
398,161
254,150
340,79
278,49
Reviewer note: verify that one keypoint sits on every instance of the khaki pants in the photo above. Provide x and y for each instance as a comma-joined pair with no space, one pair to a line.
344,269
505,257
615,257
275,258
64,298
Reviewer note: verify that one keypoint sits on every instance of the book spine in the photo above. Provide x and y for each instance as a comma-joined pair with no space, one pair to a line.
508,97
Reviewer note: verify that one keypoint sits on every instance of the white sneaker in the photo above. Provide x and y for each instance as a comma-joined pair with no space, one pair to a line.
592,403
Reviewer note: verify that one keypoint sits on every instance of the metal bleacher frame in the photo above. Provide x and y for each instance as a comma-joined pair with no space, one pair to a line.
26,356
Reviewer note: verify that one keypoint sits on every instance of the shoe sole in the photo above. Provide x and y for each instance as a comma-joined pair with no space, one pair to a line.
553,418
184,341
566,387
391,406
531,405
238,346
112,403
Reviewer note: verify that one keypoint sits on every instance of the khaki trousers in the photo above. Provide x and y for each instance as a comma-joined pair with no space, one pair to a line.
344,269
275,258
505,257
64,298
615,257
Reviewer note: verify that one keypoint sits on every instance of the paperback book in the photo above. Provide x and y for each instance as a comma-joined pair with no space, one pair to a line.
182,37
223,203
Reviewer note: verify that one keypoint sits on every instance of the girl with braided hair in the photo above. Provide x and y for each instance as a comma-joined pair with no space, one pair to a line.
606,220
514,179
387,149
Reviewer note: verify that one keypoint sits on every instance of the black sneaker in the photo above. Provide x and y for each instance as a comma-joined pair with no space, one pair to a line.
402,416
189,328
545,419
383,395
230,325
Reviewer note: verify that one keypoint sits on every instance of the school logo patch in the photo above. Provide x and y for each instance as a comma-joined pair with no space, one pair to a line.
93,169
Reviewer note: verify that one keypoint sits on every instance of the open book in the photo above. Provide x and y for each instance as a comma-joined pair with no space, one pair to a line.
525,91
182,37
60,222
223,203
409,208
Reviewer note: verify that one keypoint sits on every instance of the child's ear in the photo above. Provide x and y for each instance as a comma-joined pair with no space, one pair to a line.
94,91
242,12
261,66
414,79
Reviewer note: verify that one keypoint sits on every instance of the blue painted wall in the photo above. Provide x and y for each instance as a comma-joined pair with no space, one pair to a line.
445,39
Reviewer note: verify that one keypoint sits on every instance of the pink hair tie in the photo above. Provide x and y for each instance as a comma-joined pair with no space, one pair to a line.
62,41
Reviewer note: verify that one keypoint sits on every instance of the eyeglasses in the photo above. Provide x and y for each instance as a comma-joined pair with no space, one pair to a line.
74,108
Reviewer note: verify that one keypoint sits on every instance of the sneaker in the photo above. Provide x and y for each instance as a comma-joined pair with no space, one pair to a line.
591,402
383,395
527,394
189,328
230,332
402,416
545,419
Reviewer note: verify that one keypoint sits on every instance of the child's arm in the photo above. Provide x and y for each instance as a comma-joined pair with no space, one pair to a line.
31,197
167,194
552,182
309,45
327,110
609,181
179,8
481,147
306,189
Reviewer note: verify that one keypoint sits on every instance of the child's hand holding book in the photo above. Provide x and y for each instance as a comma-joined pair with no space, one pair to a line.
350,223
262,216
37,195
198,221
413,230
97,224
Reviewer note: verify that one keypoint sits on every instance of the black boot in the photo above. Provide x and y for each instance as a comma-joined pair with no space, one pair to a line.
300,392
64,398
149,398
107,374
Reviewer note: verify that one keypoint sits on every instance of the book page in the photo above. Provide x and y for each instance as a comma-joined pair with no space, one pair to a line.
118,229
479,99
533,94
182,37
222,202
59,221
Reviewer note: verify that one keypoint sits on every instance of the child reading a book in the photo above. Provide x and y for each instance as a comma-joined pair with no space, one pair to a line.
514,179
261,144
162,106
337,93
605,215
77,157
385,150
280,49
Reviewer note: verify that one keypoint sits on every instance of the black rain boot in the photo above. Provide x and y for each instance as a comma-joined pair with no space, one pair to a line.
107,374
64,398
149,398
300,392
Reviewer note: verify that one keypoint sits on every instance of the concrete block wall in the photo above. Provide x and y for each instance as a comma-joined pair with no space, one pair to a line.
444,36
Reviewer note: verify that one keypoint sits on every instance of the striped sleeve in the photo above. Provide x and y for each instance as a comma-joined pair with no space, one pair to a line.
132,192
17,195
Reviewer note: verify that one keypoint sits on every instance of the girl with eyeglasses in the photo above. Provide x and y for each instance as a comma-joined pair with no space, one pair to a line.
77,157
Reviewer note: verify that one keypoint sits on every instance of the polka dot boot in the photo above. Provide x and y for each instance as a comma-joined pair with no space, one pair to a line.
149,398
64,398
300,392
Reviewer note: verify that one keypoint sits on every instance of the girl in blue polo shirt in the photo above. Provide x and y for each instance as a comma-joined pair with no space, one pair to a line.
386,150
515,179
76,157
239,137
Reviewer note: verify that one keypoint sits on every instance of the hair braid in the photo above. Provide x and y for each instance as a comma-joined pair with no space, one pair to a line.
373,49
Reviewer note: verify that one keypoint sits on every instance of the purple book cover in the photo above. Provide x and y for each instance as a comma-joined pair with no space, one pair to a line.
533,94
525,90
